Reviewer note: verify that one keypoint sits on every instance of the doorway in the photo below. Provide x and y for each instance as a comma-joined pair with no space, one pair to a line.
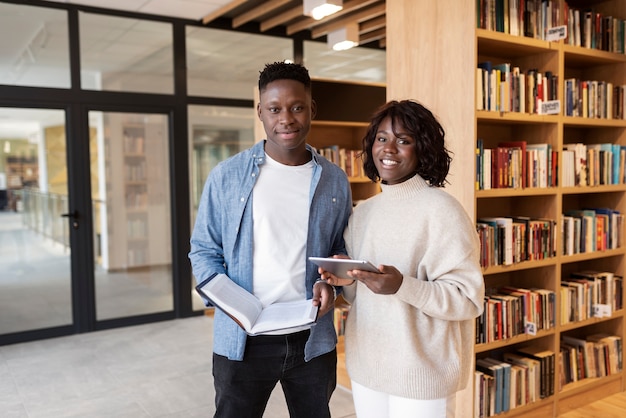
48,280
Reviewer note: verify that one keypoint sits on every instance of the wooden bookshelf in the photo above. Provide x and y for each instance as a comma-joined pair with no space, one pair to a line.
492,127
449,41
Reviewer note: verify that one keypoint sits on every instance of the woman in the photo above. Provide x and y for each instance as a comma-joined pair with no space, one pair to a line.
409,331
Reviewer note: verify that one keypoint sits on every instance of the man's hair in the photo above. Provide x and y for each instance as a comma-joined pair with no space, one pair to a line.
284,71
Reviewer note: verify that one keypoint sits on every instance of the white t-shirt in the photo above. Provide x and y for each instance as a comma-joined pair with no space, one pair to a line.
280,212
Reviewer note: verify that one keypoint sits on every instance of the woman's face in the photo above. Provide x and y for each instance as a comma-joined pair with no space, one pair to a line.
394,156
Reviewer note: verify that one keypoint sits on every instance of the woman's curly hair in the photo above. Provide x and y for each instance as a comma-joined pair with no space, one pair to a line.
416,121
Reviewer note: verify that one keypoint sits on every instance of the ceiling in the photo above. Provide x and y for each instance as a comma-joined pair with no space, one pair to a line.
284,15
238,56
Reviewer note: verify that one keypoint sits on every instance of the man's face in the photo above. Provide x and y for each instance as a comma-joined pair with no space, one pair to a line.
286,110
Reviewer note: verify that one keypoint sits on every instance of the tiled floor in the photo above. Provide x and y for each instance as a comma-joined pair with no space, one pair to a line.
155,370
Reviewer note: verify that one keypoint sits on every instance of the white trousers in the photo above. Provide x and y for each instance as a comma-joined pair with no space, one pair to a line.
369,403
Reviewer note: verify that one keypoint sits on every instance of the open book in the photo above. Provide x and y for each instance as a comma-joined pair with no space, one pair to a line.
246,309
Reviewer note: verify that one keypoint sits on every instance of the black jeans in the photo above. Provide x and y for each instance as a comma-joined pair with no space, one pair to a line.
242,388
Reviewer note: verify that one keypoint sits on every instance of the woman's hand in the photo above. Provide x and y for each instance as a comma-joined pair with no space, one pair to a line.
387,282
331,279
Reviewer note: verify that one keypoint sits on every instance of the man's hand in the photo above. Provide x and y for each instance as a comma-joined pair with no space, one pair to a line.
324,297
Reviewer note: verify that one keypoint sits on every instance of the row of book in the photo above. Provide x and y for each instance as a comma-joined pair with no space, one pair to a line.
509,240
530,18
349,160
586,27
528,374
590,294
592,229
510,311
596,355
507,88
593,164
515,164
591,29
520,377
594,99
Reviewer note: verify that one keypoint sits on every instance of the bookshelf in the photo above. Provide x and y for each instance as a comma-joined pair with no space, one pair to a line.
552,202
343,123
21,171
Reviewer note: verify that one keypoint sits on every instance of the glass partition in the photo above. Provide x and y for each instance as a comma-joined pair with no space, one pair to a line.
355,64
125,54
34,48
226,64
132,224
216,133
35,277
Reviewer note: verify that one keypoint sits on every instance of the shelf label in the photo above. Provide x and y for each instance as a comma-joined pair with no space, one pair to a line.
556,33
531,328
551,107
601,310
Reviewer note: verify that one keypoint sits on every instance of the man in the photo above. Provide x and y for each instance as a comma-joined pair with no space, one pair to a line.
263,212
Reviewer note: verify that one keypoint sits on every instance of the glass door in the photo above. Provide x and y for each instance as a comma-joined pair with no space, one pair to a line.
130,174
44,285
35,271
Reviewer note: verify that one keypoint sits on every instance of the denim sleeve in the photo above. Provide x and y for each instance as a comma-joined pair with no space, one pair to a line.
207,254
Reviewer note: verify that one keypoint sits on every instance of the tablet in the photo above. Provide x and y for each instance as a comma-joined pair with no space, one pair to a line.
340,266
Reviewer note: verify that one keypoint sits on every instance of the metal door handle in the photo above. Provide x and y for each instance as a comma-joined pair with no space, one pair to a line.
73,216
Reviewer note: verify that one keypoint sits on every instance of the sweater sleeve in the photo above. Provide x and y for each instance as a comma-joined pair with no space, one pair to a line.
449,283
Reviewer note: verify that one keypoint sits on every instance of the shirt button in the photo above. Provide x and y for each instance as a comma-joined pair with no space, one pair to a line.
241,199
253,174
334,199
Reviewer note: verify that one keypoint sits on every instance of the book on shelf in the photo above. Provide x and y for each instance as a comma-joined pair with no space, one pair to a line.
495,370
612,350
596,355
612,226
248,311
571,363
504,226
508,240
546,360
510,311
580,162
505,383
588,228
601,293
521,145
485,384
585,356
532,374
568,236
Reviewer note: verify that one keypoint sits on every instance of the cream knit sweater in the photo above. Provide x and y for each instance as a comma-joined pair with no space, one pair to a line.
418,342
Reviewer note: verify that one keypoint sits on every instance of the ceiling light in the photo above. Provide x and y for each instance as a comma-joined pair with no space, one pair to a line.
344,38
319,9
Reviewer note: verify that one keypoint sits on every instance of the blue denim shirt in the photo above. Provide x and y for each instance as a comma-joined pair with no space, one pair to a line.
221,241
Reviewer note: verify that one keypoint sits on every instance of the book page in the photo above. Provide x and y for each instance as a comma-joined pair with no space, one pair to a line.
233,299
285,315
